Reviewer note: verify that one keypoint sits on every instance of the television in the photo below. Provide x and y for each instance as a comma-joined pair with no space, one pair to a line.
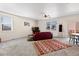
60,28
35,29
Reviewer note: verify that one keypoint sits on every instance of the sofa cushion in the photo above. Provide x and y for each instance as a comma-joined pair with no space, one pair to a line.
42,36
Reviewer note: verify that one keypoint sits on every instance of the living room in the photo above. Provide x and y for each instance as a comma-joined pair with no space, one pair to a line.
54,20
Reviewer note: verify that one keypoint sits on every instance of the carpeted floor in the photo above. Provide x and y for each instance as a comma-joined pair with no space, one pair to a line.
22,47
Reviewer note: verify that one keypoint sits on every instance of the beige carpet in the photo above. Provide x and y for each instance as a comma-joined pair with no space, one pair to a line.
22,47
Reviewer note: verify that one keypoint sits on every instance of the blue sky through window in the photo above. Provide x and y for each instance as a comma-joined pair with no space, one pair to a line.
6,20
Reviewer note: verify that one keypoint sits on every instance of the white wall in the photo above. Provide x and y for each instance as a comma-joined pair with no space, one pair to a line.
42,26
68,22
19,30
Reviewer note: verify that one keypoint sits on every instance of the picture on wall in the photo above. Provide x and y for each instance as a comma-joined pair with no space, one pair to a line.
26,24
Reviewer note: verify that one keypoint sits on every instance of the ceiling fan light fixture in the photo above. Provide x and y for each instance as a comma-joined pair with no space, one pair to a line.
45,16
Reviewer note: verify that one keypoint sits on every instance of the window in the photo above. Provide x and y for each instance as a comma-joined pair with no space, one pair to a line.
6,23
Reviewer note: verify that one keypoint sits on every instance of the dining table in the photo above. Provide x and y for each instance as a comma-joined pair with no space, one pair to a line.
75,34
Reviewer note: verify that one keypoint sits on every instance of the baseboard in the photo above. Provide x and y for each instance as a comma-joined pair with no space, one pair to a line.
14,39
60,36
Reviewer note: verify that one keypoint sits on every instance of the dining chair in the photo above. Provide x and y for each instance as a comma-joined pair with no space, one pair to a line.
72,38
77,41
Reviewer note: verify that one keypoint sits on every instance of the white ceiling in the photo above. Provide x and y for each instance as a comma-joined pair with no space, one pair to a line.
36,10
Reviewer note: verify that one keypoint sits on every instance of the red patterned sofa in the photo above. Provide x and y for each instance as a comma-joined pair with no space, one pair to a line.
42,36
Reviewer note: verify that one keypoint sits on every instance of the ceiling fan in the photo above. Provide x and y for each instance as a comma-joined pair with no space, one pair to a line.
45,15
